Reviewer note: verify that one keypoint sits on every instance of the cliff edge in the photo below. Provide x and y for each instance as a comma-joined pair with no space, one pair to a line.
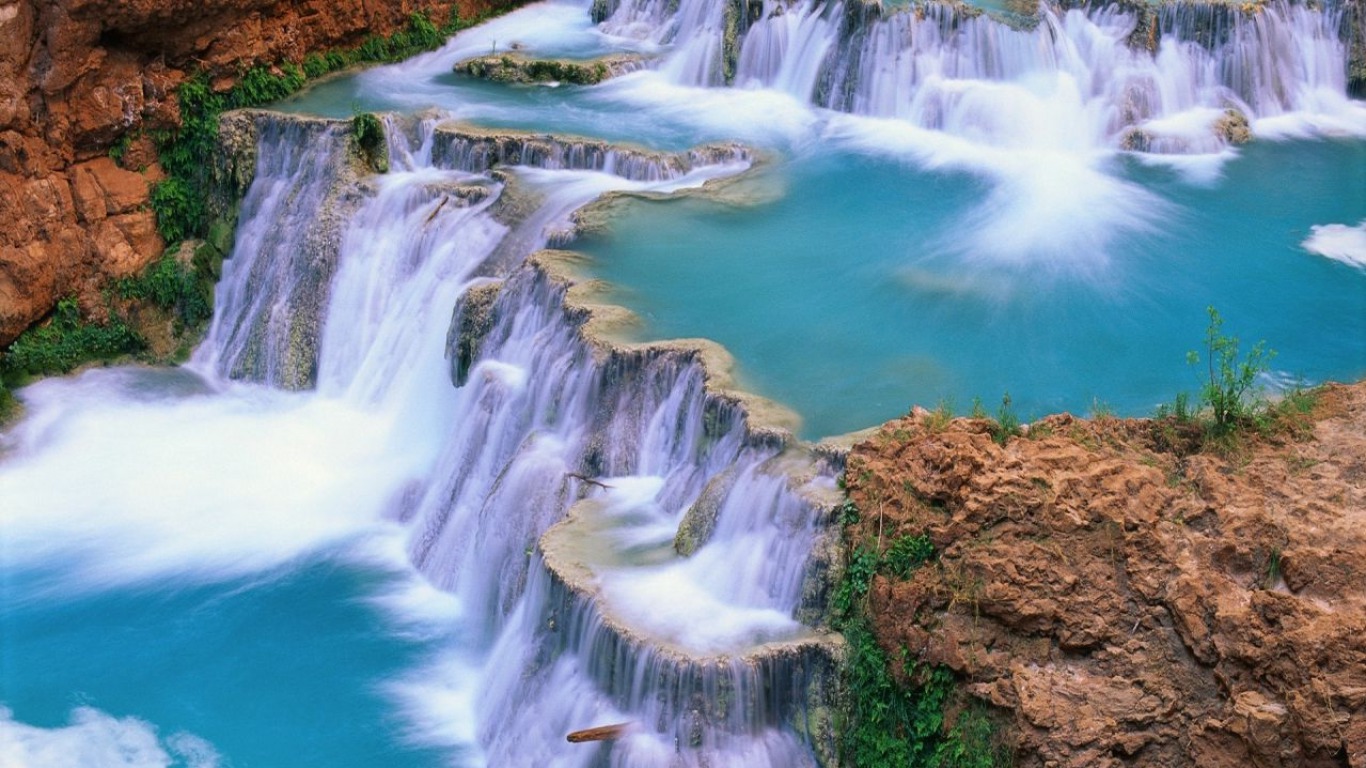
1114,595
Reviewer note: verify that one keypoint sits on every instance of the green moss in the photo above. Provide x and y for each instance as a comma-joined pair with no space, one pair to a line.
908,553
367,131
9,405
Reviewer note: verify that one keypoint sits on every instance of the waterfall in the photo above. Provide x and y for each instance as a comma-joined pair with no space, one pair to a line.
274,287
519,423
1180,78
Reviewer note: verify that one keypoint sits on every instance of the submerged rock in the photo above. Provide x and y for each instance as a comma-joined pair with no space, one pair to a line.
1232,126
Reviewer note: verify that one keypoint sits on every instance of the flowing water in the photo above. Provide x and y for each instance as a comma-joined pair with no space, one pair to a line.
403,508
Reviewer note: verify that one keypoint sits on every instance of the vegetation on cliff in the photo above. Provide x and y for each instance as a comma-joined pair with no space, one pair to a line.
187,153
908,713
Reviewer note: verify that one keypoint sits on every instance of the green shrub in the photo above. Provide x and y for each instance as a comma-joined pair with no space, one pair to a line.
179,208
848,513
182,289
64,342
853,588
9,405
908,553
315,66
1228,392
422,33
1006,424
374,48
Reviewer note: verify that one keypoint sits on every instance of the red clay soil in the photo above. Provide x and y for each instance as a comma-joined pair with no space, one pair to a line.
1118,599
76,76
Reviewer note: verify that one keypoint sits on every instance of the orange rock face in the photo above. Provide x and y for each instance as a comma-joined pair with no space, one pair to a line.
78,75
1120,601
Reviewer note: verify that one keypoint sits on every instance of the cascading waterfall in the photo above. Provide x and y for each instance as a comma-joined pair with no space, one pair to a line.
624,539
539,410
1103,77
274,288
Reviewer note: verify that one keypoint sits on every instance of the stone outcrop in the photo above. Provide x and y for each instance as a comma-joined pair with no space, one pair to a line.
79,78
518,68
1121,599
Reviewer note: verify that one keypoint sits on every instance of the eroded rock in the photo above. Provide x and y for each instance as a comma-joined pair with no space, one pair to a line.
1130,602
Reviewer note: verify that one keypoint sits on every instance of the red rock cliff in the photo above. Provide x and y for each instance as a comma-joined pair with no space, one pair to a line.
1121,601
78,75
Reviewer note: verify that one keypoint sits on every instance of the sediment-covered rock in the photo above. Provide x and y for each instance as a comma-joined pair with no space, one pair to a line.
1123,600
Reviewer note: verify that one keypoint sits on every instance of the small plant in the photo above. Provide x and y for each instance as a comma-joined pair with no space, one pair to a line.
1228,392
848,513
979,411
173,286
179,208
908,553
939,418
1007,423
1179,409
1291,413
1273,569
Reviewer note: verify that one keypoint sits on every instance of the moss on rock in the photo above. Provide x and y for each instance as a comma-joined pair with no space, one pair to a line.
517,68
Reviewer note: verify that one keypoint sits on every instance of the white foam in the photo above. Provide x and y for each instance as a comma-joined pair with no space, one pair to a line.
675,603
95,739
1338,242
117,490
1047,207
762,116
439,702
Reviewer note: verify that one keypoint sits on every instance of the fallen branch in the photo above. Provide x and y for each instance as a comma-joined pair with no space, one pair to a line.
588,480
444,200
600,733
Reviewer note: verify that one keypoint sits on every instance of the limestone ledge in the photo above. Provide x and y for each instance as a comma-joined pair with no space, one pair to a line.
795,681
478,149
606,328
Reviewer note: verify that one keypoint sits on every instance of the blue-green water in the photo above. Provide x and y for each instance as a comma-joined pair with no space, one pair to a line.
284,668
849,299
226,578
